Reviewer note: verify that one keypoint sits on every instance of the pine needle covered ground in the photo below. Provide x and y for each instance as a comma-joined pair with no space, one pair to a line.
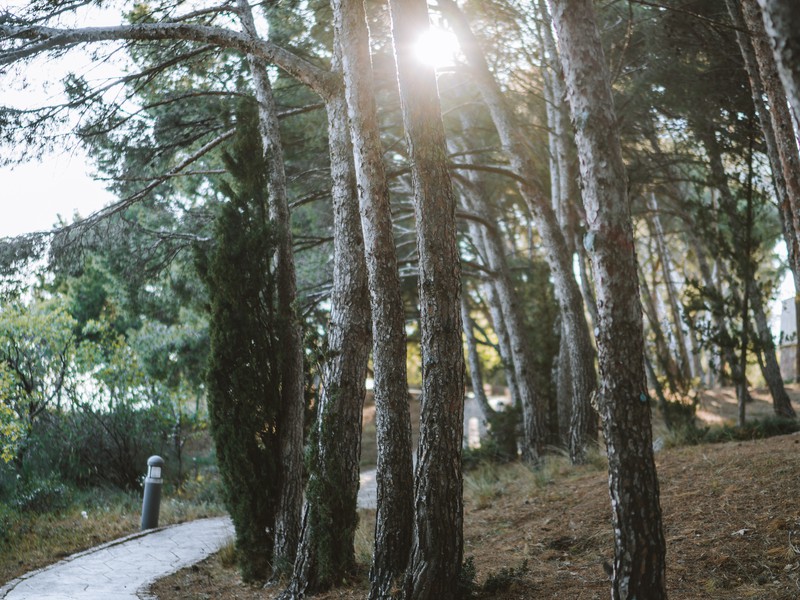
731,512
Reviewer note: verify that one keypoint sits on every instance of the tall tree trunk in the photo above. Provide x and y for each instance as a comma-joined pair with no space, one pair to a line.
501,431
782,22
639,549
475,370
287,522
665,358
779,133
771,370
727,353
437,545
672,296
753,298
394,477
325,555
774,119
503,343
473,196
554,245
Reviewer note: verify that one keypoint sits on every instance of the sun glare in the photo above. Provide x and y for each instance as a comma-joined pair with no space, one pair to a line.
437,47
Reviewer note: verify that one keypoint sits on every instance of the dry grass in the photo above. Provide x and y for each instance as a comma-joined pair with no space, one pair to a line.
732,525
32,541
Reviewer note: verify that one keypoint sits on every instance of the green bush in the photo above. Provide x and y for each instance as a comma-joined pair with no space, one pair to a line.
41,496
90,447
504,579
756,429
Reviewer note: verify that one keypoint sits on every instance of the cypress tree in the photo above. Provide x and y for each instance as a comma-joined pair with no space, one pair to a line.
243,375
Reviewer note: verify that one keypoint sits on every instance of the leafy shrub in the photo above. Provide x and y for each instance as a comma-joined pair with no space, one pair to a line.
466,578
504,579
89,447
41,496
757,429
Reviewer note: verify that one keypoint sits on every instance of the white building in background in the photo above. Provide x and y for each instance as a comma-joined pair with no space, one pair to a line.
788,340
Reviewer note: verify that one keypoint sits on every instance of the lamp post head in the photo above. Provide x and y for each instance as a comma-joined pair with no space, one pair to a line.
155,464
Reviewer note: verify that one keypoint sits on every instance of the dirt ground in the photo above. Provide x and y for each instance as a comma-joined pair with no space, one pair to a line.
731,514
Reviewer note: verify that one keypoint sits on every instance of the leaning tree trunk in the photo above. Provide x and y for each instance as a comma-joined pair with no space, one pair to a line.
774,118
556,251
325,556
672,295
639,549
771,370
394,477
503,342
782,22
502,429
287,522
475,370
487,238
437,547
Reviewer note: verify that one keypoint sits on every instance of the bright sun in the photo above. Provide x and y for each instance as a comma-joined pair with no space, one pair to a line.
437,47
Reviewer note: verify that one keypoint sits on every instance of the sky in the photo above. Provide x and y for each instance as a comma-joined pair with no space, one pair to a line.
33,195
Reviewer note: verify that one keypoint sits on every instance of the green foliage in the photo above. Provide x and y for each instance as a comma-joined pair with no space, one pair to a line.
37,347
492,450
41,496
243,376
506,578
466,578
753,430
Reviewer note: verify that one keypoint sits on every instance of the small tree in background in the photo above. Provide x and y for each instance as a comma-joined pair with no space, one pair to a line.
243,379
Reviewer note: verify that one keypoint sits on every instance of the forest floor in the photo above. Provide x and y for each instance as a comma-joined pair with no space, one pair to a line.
731,514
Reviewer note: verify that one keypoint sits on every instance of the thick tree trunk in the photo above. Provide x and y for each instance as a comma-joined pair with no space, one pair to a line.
394,470
437,547
782,22
639,556
559,259
287,522
325,556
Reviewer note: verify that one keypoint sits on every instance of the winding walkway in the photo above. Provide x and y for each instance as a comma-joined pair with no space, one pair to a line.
125,568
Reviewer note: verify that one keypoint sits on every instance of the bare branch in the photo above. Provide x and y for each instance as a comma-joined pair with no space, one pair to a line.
46,39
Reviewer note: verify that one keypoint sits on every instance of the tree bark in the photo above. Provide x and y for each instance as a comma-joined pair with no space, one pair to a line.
287,522
782,22
639,553
437,545
325,556
503,343
394,477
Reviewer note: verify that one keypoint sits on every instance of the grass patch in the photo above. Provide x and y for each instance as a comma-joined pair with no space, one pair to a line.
365,537
47,520
755,429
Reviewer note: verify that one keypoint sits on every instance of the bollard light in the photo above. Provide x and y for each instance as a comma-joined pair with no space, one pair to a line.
151,502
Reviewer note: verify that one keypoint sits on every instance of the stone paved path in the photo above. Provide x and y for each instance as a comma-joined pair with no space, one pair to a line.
124,568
